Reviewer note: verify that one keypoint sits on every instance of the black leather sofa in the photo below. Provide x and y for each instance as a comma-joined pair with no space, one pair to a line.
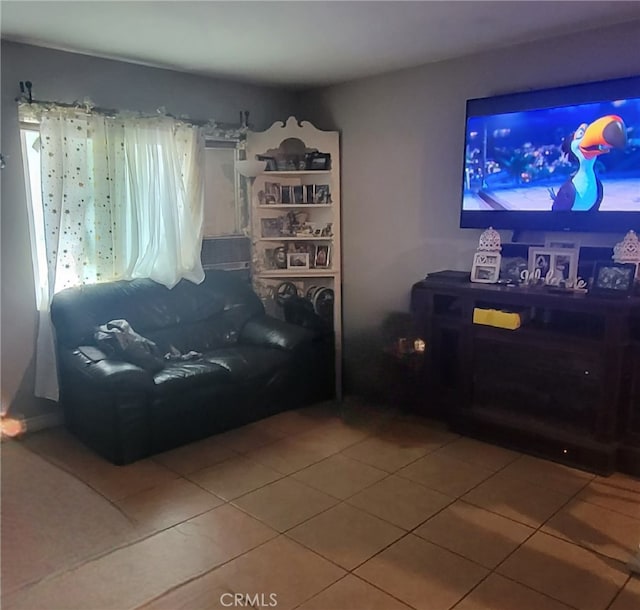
251,365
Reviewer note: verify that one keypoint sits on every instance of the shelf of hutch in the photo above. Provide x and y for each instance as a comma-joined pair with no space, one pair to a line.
309,203
297,206
565,385
299,238
295,273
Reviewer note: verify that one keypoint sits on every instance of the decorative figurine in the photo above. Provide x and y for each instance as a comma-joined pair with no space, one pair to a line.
486,260
628,251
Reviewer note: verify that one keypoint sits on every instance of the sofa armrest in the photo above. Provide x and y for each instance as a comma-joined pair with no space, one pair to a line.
271,332
89,364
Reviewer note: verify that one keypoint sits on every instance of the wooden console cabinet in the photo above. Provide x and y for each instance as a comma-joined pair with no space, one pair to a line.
565,385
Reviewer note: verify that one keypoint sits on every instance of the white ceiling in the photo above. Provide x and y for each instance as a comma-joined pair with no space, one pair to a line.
296,43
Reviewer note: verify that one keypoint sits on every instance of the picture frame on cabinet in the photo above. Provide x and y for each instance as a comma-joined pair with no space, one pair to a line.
298,260
322,193
553,266
286,194
612,279
323,257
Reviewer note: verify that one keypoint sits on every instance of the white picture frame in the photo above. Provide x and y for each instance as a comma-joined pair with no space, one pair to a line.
553,266
298,260
486,267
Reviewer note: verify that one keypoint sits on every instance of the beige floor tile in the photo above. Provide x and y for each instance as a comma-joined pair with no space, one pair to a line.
551,475
333,437
281,567
196,455
289,455
234,478
400,501
475,533
346,535
249,437
445,474
285,503
339,476
620,498
610,533
50,519
499,593
481,454
421,574
232,531
351,593
516,499
167,504
629,597
301,421
140,572
114,482
384,454
565,572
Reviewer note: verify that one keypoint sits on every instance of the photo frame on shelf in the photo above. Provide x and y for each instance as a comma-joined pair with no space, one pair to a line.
309,193
322,258
298,194
317,161
272,193
612,279
286,195
298,260
275,258
486,267
322,193
271,227
552,266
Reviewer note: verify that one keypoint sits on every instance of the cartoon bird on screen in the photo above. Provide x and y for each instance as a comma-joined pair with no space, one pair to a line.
583,191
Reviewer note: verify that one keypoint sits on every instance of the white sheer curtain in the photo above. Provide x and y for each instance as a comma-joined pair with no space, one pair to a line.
121,198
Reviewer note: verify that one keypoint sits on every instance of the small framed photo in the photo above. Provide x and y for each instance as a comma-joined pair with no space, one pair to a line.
298,194
318,161
271,227
323,257
486,267
272,193
612,279
309,193
322,193
553,266
286,194
298,260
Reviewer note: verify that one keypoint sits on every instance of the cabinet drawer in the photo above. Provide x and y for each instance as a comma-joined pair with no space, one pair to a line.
538,381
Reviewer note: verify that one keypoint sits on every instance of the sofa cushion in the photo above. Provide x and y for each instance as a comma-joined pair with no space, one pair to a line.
248,362
183,376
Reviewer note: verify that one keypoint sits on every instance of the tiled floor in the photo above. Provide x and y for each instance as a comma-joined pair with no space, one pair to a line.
327,508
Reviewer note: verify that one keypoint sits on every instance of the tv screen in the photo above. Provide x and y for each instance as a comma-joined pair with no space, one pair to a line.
555,159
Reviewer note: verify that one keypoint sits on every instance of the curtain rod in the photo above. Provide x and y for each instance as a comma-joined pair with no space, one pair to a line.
113,113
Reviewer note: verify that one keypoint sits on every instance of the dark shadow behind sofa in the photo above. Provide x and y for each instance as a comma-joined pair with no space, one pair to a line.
252,365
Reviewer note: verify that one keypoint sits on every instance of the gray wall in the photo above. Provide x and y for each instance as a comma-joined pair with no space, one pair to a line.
402,141
67,77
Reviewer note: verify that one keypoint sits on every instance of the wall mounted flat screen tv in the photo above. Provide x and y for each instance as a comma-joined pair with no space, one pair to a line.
564,159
